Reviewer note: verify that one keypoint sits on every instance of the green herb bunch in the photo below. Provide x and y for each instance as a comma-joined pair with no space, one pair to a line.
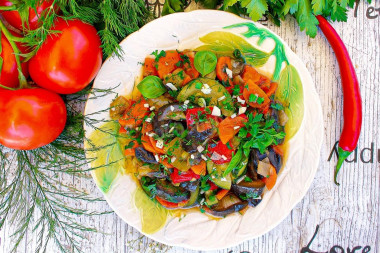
303,10
113,19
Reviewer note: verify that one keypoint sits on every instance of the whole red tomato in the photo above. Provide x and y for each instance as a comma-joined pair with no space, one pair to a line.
30,118
14,19
9,72
67,62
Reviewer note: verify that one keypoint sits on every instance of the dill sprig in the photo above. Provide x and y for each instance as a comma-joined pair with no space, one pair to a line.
113,19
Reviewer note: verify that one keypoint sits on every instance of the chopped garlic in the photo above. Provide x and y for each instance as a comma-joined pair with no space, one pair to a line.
229,72
172,108
172,160
171,130
236,127
233,115
241,101
206,86
223,179
156,157
160,143
192,156
152,108
203,157
200,149
215,156
216,111
242,110
221,98
186,102
171,86
148,119
146,105
224,157
206,91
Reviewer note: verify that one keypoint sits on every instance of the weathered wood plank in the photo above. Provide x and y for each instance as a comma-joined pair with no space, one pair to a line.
348,215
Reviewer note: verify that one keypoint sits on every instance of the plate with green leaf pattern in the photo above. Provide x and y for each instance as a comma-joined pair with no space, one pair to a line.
222,33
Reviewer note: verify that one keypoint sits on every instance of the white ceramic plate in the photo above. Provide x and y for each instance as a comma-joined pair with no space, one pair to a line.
181,31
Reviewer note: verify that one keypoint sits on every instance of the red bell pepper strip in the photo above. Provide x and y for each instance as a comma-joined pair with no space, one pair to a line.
192,115
179,177
222,150
170,205
212,185
352,102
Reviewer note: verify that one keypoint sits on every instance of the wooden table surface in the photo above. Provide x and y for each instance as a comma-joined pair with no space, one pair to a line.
348,216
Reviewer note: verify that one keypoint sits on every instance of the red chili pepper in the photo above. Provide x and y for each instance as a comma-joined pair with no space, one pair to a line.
222,150
352,103
192,115
179,177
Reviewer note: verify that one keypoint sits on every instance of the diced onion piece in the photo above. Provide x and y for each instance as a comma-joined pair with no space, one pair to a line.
282,118
216,111
160,144
171,86
263,168
242,110
229,72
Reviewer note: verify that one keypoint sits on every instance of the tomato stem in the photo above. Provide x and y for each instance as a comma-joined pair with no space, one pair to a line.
6,87
10,38
7,8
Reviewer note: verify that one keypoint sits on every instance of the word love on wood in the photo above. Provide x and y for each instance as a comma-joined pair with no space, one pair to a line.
335,248
366,155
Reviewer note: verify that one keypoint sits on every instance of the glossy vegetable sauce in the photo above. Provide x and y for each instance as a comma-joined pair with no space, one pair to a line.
202,132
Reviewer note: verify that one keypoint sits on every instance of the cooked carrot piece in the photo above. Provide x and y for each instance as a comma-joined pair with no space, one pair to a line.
168,63
221,194
223,63
203,126
227,128
146,127
263,82
199,169
186,80
166,163
278,149
147,144
272,89
122,130
133,116
189,68
250,73
149,67
257,94
271,180
153,142
129,152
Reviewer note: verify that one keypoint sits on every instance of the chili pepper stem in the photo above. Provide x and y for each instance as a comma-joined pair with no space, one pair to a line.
342,155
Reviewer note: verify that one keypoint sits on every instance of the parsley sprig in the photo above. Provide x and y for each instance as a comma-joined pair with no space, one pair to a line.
262,133
304,11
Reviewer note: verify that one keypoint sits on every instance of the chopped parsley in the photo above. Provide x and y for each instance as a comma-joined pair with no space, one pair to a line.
158,55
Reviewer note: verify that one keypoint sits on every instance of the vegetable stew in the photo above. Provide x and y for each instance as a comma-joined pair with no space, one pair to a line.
206,131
